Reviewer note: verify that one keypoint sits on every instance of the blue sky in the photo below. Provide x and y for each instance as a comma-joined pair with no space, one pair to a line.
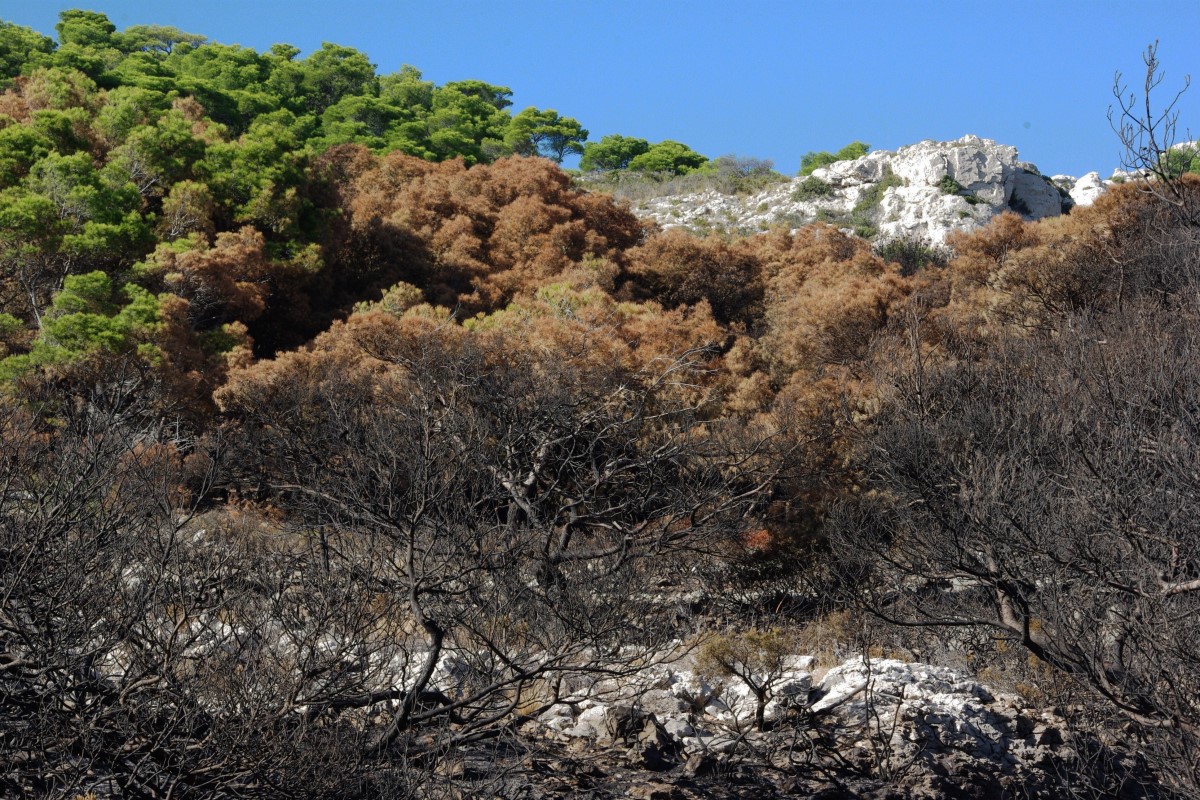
752,77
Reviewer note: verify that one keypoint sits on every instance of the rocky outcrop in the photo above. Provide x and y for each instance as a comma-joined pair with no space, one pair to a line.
1035,197
1084,191
929,729
928,189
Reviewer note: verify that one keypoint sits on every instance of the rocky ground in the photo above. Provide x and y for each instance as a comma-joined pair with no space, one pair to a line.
866,728
928,189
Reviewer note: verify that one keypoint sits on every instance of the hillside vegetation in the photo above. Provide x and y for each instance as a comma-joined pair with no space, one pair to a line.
341,432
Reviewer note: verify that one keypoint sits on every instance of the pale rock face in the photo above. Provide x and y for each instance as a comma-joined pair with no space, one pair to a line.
868,169
989,173
1032,191
1087,189
984,168
927,210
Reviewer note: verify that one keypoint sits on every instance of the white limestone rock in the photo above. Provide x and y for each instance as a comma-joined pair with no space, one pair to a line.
692,689
1087,189
989,174
930,212
662,703
558,717
591,724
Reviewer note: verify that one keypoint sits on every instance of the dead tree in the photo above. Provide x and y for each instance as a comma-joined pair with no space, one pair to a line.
1047,489
515,525
1152,148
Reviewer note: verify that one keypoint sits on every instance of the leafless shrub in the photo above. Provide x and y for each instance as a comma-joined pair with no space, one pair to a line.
1048,492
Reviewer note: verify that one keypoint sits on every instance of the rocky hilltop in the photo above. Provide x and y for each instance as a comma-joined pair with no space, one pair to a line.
926,189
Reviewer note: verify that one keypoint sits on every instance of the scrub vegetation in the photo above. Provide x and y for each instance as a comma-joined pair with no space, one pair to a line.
341,430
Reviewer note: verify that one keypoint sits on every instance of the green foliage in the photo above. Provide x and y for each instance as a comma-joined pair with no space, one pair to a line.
395,301
21,146
948,185
812,161
371,121
612,152
126,108
407,89
158,40
253,179
467,119
9,324
852,151
65,130
812,189
87,43
86,317
668,157
890,180
147,67
78,191
334,72
1181,159
545,133
85,29
21,49
863,215
27,218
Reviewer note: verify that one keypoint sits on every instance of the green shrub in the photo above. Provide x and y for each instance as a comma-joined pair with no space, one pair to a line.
949,186
913,252
732,175
757,658
668,157
793,220
862,216
890,180
90,315
812,189
9,324
1180,159
815,160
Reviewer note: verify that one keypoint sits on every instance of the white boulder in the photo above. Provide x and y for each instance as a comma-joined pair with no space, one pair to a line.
1085,190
